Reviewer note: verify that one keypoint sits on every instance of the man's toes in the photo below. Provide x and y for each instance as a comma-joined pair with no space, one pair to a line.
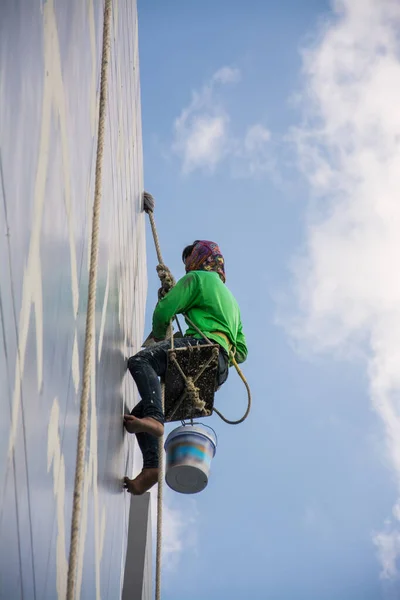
142,483
129,486
130,423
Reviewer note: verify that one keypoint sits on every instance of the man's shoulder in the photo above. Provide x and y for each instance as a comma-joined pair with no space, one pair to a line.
191,276
189,280
209,276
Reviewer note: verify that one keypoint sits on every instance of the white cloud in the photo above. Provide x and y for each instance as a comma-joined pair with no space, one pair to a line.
256,137
179,529
203,142
201,131
256,150
203,136
227,75
347,281
388,548
179,525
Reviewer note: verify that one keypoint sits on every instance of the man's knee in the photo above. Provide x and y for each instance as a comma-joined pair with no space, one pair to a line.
133,363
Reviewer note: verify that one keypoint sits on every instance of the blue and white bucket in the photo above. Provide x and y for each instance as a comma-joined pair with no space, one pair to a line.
189,451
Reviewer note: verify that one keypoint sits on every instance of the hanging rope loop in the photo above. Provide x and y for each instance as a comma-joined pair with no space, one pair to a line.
243,378
167,280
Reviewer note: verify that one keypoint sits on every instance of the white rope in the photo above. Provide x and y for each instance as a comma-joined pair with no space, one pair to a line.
91,308
160,504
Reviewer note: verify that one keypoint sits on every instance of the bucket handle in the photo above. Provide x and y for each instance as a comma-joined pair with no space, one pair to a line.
203,425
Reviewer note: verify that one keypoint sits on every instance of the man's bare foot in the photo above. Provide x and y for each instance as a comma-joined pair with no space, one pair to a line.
142,483
145,425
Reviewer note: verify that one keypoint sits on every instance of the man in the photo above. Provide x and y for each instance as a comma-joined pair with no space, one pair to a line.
203,296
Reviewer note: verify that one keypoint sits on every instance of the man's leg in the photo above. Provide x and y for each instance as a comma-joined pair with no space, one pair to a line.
146,367
148,445
147,418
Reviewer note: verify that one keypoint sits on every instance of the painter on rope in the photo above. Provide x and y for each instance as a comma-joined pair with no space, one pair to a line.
203,295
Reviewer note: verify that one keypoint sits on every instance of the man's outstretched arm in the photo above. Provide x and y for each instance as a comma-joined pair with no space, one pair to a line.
180,299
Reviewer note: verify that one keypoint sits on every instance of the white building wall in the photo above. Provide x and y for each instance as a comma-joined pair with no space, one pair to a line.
49,84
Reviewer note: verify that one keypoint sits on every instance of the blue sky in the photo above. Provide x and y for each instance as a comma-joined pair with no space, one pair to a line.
272,128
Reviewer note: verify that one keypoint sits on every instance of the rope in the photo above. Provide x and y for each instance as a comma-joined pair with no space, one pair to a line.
167,280
167,283
192,391
164,274
160,503
90,316
243,378
155,234
193,394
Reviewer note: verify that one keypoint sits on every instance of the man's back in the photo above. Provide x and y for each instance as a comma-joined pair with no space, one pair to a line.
209,304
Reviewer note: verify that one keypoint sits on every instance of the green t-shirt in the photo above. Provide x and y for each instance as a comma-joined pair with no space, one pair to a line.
206,300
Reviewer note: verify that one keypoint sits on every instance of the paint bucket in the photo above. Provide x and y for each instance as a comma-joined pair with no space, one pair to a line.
189,451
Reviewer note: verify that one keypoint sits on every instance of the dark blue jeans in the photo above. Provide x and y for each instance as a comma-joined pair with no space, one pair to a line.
146,367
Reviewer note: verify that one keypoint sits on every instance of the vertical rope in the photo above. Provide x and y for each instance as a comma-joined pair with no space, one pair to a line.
155,237
160,503
91,310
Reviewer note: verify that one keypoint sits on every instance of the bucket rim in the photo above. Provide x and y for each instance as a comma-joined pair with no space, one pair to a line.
180,431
